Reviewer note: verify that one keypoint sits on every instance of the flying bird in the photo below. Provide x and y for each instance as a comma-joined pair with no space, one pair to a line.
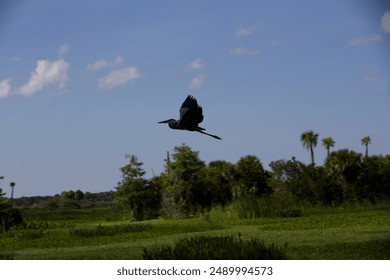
191,115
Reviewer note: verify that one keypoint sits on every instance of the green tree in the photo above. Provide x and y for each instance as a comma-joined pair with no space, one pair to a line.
309,141
135,192
374,180
132,184
67,200
344,166
366,141
295,180
79,195
250,178
327,143
219,176
68,194
185,187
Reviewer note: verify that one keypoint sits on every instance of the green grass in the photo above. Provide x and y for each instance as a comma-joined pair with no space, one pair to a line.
318,233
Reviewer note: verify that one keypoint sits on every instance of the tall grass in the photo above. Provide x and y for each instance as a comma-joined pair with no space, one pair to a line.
250,208
215,248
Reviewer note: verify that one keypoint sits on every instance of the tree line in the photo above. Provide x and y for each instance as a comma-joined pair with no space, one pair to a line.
11,216
188,185
309,140
67,200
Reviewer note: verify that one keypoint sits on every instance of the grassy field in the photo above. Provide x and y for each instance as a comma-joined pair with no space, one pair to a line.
332,234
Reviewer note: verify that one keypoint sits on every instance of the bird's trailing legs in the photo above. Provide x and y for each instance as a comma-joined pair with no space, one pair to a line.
214,136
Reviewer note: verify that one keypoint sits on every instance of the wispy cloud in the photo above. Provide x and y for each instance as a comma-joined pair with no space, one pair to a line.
370,78
102,64
119,78
277,42
5,88
197,82
363,40
196,64
385,22
16,58
373,38
245,31
63,49
46,73
243,52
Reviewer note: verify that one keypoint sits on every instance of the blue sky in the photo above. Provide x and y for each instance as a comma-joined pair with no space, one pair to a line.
82,83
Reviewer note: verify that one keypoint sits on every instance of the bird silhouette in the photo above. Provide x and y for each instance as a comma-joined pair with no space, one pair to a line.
191,115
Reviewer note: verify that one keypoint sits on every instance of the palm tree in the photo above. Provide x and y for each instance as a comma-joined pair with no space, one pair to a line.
365,141
328,143
12,185
309,141
1,191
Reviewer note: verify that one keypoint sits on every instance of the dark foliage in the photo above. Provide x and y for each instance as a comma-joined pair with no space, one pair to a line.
344,178
188,186
215,248
141,196
66,200
9,216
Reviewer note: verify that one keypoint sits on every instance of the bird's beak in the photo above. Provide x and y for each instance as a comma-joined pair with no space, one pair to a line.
167,121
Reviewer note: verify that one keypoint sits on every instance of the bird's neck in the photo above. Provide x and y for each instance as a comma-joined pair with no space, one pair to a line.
174,124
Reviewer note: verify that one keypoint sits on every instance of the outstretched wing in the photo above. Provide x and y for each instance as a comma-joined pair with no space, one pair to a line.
191,114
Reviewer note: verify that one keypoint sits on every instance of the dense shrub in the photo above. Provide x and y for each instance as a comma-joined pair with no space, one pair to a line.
9,216
215,248
141,196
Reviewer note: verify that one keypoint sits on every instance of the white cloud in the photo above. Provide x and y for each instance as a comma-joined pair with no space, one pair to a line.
365,40
196,64
63,49
385,22
197,82
102,64
5,88
46,73
245,31
119,78
243,52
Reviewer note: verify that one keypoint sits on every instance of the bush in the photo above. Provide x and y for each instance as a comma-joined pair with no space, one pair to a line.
9,217
215,248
